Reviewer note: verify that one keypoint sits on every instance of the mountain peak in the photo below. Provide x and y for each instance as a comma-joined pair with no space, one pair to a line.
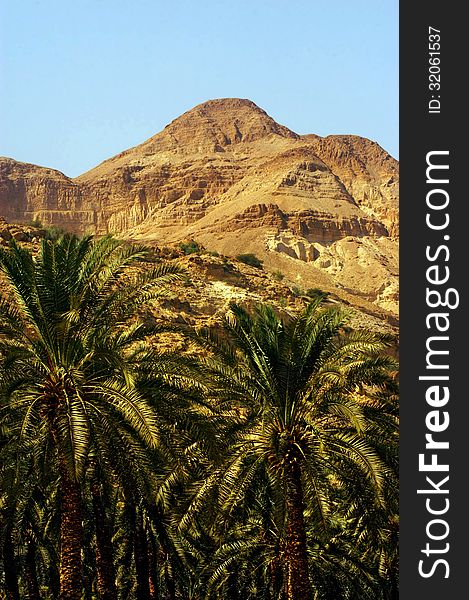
225,104
216,124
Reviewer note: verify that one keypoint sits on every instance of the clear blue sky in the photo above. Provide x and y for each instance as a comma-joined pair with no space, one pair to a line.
81,80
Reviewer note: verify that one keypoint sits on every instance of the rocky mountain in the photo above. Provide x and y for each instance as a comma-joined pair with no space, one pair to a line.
323,211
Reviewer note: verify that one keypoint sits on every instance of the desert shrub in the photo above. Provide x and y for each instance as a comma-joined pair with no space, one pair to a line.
35,223
317,293
297,291
54,233
190,247
250,259
278,275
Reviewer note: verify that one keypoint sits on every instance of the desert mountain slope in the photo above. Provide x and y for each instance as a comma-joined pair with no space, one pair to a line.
324,211
211,282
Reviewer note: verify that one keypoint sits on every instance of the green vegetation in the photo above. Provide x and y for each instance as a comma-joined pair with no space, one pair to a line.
250,259
302,443
190,247
35,223
278,275
316,293
53,233
263,466
297,291
312,293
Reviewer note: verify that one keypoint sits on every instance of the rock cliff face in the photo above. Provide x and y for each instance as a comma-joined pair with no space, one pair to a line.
30,192
229,176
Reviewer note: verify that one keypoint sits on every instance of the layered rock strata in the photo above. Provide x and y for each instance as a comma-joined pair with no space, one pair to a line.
226,174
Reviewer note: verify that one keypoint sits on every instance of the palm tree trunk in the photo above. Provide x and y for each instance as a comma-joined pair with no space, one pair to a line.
232,591
392,592
275,578
298,585
170,583
141,558
106,573
153,569
9,564
71,538
31,572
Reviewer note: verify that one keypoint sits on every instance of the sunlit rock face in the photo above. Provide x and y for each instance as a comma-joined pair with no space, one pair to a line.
324,210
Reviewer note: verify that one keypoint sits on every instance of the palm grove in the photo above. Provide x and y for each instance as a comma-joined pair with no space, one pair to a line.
262,466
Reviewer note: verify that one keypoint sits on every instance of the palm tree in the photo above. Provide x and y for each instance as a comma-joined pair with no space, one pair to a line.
25,517
69,341
294,387
250,551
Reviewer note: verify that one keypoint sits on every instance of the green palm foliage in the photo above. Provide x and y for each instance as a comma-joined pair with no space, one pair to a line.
262,467
304,428
70,343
